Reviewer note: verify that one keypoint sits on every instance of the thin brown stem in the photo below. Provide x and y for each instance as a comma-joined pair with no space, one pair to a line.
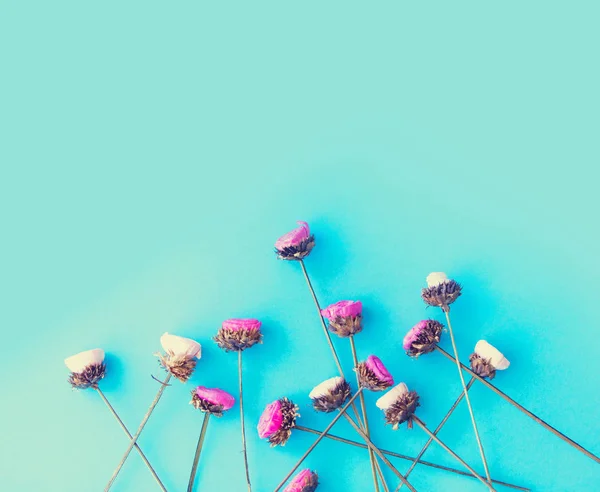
245,451
452,453
137,447
437,430
198,451
466,393
364,415
531,415
393,454
134,439
380,454
321,436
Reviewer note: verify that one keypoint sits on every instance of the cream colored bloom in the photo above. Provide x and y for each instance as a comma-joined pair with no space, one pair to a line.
392,396
436,278
487,351
181,346
78,362
325,387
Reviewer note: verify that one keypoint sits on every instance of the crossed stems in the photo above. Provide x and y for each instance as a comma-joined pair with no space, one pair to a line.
375,467
134,439
531,415
139,450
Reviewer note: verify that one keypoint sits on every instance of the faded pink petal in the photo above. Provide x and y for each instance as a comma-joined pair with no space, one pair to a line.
295,237
238,324
413,334
216,396
342,309
300,481
270,420
374,363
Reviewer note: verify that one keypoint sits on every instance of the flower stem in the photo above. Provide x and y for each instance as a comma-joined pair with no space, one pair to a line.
379,453
139,431
139,450
321,436
245,451
452,453
365,419
198,451
404,457
466,393
531,415
437,430
327,335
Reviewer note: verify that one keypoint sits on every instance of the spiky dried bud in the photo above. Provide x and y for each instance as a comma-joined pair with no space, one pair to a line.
181,366
423,337
402,410
482,367
89,377
440,291
330,395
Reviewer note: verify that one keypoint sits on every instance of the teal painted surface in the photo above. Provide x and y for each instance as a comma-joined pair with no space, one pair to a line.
152,153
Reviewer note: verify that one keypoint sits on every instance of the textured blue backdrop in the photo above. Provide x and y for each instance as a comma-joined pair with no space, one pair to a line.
152,153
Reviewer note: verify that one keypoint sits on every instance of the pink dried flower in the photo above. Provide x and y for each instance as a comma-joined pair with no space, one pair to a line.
413,334
305,481
216,396
296,244
342,309
270,420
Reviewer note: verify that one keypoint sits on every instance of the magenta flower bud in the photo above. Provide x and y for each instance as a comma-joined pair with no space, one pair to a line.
212,400
271,419
345,317
277,421
296,244
238,334
373,375
422,338
305,481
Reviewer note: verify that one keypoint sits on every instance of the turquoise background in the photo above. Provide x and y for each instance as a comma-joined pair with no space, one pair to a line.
152,152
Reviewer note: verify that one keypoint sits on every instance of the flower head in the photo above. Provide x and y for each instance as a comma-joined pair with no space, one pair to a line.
487,359
238,334
422,338
87,368
440,290
181,355
296,244
330,394
212,400
373,375
399,405
305,481
277,421
345,317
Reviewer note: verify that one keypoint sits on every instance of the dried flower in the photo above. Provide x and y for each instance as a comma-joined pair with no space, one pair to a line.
399,405
212,400
487,359
373,375
277,421
87,368
345,317
330,394
296,244
238,334
440,291
305,481
180,356
423,337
